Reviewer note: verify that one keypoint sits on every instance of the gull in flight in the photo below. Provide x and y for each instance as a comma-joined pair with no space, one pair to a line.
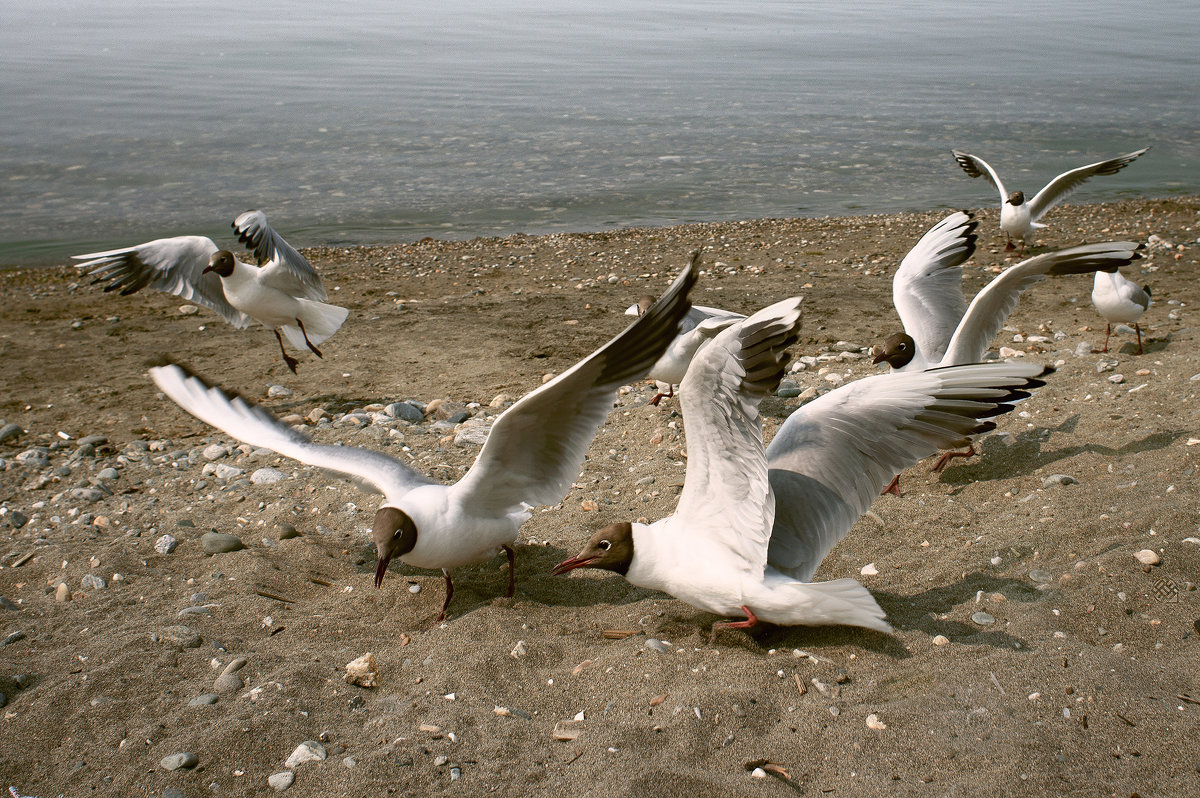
533,451
1018,218
283,292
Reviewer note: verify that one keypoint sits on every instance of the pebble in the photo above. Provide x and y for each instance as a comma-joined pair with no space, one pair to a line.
214,452
362,671
184,759
166,544
1147,557
10,432
940,640
227,683
869,569
12,638
286,531
3,700
1059,479
788,389
1106,365
181,636
86,494
1041,575
188,310
267,476
405,412
655,644
1116,379
109,473
222,471
62,592
983,618
204,700
307,751
220,543
278,391
873,722
33,458
17,518
1008,351
171,792
92,582
473,432
281,781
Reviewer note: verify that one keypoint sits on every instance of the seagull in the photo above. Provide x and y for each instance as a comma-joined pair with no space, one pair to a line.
1019,219
700,326
1119,299
283,292
752,526
531,454
941,330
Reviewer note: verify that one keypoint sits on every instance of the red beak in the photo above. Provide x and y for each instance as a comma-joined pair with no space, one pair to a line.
570,564
381,569
879,358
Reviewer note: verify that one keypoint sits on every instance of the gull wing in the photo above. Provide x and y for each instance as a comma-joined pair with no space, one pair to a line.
927,288
991,306
370,470
831,457
1064,184
975,166
282,266
174,265
537,446
726,495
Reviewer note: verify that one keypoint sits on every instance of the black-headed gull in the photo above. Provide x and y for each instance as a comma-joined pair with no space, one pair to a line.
752,525
283,292
940,329
1119,299
1018,218
700,326
533,451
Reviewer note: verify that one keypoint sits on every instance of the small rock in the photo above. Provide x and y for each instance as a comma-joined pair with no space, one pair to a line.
180,636
567,730
869,569
873,722
473,432
204,700
3,700
188,310
362,671
17,518
93,582
185,759
281,781
278,392
1008,351
1104,365
286,531
214,452
940,640
788,389
166,544
10,432
518,650
500,400
62,592
13,638
109,474
1116,379
655,644
33,458
267,476
983,618
307,751
405,412
1083,349
1041,575
1147,557
227,683
1059,479
220,543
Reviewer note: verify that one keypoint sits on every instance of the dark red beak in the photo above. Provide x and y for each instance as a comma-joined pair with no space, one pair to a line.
381,569
570,564
879,358
207,269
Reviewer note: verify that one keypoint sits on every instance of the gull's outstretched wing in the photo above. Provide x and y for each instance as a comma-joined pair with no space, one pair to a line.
975,166
283,267
1064,184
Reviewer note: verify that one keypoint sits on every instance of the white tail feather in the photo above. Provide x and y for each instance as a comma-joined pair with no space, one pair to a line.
321,320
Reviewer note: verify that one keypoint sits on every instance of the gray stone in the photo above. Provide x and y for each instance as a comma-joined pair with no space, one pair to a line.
286,531
86,494
307,751
109,473
166,544
1116,379
10,432
267,476
171,792
184,759
180,636
227,683
278,391
33,458
92,440
17,518
281,781
473,432
788,389
8,605
220,543
655,644
13,638
214,452
205,700
1104,365
3,700
92,582
1059,479
1041,575
846,346
223,471
1083,349
405,412
983,618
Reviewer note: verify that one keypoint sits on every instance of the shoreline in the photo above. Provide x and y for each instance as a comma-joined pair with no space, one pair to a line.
1084,675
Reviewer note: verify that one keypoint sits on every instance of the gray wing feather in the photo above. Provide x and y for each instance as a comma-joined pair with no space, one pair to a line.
1064,184
283,267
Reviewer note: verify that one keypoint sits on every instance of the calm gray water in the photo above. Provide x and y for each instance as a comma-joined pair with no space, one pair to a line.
384,121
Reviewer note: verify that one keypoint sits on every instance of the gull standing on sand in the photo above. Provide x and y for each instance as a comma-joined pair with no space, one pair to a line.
752,526
283,292
941,330
533,451
700,326
1018,218
1119,299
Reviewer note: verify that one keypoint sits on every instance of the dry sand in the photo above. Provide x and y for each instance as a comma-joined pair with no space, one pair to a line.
1084,684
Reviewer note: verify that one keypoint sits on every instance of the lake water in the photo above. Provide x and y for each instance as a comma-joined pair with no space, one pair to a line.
384,121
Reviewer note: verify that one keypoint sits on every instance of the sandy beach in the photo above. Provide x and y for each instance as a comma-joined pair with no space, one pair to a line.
1033,654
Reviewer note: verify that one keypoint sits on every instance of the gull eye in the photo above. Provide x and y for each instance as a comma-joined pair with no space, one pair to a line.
604,545
902,347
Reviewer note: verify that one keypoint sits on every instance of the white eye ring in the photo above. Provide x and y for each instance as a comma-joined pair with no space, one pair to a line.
604,545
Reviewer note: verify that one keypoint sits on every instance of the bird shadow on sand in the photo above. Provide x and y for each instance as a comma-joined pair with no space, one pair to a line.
1027,454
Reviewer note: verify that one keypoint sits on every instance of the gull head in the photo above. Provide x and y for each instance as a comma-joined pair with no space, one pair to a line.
640,307
1016,198
897,351
611,549
221,263
394,534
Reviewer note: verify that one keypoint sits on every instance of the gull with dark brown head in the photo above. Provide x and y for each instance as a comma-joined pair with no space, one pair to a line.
283,292
533,451
1018,218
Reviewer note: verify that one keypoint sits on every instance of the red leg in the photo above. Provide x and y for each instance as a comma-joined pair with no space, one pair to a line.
1107,332
449,595
1010,246
291,361
512,571
945,459
893,487
751,620
315,351
658,397
1138,330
